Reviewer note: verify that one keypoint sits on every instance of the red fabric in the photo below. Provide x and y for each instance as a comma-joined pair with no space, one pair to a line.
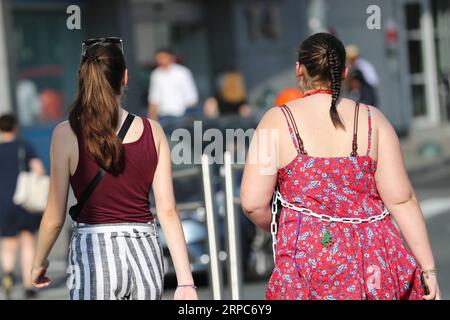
122,198
364,261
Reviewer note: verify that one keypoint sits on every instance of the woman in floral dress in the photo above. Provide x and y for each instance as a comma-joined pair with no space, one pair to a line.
338,174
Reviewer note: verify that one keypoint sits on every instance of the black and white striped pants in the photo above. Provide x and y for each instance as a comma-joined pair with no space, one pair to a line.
115,261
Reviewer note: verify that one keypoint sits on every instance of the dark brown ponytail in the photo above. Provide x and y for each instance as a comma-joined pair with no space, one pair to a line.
95,112
324,56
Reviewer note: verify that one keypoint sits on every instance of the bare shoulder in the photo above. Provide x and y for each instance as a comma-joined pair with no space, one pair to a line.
271,118
63,131
155,125
157,130
379,120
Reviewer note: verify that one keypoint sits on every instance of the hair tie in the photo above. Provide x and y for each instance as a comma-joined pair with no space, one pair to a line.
92,58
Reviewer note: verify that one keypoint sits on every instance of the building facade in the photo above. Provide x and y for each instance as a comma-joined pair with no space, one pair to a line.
410,50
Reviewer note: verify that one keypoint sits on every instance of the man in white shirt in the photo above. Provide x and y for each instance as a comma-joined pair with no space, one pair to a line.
172,88
366,68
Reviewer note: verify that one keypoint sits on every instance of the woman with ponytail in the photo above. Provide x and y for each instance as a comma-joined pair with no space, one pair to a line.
335,169
111,159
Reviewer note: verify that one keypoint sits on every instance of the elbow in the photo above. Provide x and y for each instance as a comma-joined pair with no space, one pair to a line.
52,225
168,213
250,209
250,206
410,197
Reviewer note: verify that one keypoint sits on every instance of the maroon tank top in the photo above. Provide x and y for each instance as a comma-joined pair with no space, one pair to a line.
121,198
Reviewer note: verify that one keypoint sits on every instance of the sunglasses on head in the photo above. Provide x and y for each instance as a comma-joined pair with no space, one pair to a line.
90,42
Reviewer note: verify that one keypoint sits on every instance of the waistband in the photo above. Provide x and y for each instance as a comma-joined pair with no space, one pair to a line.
131,228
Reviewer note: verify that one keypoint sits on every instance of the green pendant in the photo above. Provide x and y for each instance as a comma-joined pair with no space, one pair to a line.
327,239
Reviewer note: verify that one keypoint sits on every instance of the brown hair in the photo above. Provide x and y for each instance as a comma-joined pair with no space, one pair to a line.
95,113
324,56
8,123
233,87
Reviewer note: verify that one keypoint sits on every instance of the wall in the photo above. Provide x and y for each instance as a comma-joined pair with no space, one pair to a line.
350,25
269,63
5,89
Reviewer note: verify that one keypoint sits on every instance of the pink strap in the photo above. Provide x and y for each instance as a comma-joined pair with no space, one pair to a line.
291,129
369,145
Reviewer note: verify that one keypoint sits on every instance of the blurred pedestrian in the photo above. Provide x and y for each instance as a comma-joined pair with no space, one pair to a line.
355,61
172,88
334,238
115,252
359,89
287,95
17,226
230,99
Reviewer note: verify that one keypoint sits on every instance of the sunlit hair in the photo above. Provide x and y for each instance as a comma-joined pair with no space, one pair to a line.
233,87
323,57
95,113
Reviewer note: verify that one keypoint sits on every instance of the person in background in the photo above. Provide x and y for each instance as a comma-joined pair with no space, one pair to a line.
17,226
172,88
354,61
231,97
359,89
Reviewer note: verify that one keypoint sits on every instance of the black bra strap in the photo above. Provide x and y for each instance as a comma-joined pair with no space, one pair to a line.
125,126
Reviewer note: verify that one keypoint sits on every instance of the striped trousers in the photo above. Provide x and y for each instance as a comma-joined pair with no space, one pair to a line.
115,261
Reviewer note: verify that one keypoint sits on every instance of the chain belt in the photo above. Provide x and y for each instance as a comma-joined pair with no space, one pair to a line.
322,217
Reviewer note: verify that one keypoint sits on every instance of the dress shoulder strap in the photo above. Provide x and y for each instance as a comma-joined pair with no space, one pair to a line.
355,132
293,130
369,134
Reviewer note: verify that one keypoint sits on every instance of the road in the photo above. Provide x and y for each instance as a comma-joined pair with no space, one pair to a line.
432,187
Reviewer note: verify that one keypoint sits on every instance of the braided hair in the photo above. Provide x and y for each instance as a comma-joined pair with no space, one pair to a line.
323,57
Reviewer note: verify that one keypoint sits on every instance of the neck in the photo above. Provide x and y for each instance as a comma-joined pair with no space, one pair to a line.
8,136
307,90
311,92
121,117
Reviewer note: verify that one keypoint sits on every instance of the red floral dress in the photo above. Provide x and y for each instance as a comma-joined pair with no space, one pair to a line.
362,261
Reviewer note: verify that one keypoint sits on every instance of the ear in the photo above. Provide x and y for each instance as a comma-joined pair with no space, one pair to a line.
345,73
125,78
299,71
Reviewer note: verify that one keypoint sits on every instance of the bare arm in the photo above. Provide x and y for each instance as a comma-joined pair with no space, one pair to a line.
54,215
260,172
168,215
398,195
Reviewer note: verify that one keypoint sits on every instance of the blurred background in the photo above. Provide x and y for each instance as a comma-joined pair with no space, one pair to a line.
258,39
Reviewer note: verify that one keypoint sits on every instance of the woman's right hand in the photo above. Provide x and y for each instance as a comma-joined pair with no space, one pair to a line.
38,276
433,286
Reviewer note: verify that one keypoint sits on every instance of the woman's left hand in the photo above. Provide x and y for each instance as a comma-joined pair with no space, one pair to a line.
39,278
433,286
185,293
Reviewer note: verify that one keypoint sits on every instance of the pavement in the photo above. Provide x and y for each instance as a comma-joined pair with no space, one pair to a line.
429,168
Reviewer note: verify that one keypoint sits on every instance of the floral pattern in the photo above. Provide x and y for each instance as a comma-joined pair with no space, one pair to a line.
364,261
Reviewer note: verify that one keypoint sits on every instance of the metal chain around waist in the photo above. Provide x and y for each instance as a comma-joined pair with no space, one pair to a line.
322,217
